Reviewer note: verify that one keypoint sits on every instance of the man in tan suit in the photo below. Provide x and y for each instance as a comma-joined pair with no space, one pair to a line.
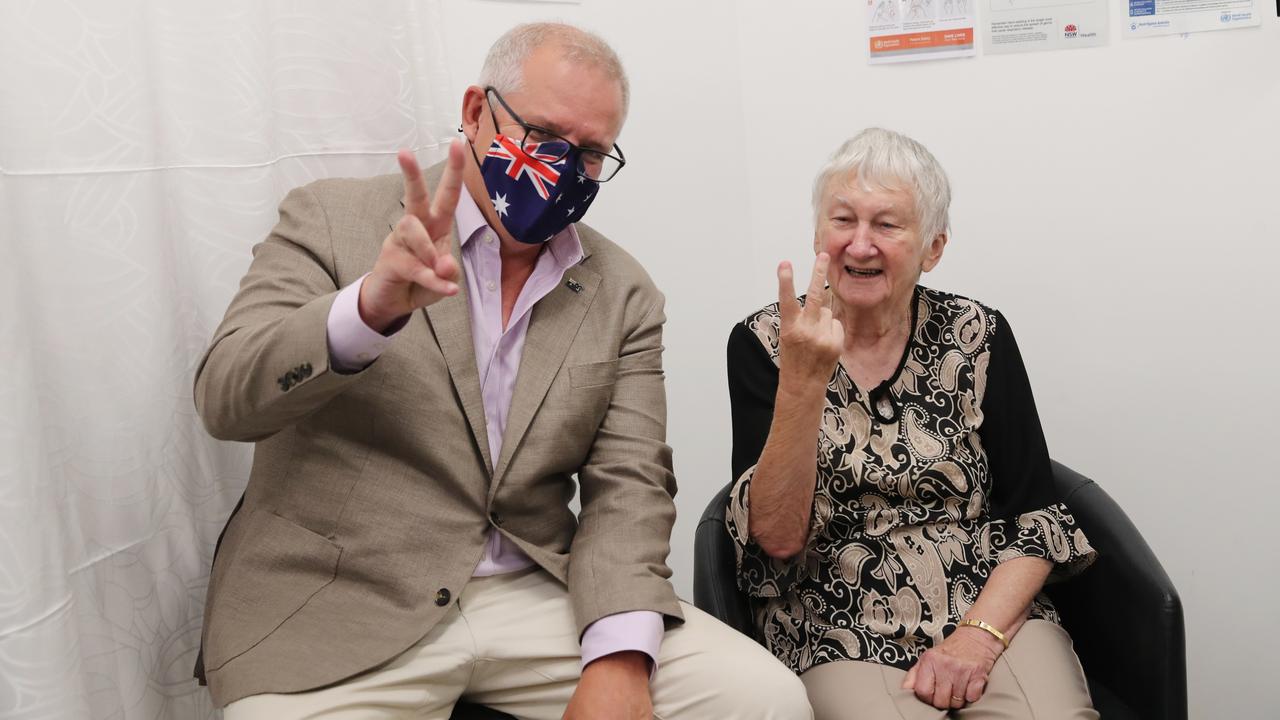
421,401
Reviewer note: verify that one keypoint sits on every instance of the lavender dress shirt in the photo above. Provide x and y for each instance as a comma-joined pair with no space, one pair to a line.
354,345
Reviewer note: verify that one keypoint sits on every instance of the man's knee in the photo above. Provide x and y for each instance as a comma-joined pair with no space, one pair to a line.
764,689
713,671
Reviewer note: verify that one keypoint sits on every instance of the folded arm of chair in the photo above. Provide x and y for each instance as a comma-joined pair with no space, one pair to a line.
1124,614
715,585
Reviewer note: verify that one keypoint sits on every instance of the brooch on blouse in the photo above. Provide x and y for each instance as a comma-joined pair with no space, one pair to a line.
885,409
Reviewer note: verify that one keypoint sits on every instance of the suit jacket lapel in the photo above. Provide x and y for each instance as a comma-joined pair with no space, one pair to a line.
552,327
450,322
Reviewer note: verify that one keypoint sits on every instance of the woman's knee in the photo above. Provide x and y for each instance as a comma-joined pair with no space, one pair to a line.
857,690
1041,670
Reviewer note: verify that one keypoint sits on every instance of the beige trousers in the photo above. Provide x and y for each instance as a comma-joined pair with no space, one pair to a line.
1038,677
510,642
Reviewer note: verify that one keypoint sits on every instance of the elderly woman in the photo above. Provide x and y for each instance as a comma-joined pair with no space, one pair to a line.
894,510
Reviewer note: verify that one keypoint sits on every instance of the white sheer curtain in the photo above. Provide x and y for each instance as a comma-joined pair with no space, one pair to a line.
143,149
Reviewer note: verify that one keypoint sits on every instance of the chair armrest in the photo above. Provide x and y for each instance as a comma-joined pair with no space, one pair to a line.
715,583
1124,614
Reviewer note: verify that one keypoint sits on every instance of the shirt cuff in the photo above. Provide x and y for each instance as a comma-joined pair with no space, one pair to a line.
639,630
353,345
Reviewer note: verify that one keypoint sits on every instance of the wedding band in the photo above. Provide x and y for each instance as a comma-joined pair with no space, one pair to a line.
957,699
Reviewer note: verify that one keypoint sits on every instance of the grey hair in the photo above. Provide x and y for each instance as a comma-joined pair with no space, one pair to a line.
884,159
504,65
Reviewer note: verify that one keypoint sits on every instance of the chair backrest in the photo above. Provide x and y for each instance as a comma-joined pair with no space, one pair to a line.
1123,614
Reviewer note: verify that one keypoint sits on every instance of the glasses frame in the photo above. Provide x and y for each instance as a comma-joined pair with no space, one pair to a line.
619,158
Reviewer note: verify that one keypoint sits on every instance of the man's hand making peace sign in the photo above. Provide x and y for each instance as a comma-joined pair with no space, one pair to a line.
415,267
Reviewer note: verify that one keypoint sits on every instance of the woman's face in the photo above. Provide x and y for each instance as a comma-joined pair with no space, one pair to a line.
873,238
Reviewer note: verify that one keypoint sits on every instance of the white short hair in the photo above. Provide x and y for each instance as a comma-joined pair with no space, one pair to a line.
504,65
884,159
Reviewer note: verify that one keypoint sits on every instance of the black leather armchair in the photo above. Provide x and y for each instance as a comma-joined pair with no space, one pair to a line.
1123,613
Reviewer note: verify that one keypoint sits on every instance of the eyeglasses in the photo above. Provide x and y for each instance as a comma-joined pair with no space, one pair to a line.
592,164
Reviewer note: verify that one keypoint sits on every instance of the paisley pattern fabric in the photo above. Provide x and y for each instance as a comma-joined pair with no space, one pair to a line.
924,485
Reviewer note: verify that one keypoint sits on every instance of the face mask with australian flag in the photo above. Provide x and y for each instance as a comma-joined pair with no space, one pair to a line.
535,195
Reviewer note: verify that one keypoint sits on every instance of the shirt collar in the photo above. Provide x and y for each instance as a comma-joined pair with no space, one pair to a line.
565,248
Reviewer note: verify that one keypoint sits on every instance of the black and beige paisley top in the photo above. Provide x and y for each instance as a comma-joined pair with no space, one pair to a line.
924,485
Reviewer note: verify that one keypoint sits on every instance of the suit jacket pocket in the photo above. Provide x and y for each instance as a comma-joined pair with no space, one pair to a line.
593,374
276,568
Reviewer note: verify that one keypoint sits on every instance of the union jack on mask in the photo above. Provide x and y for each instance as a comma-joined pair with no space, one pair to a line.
535,195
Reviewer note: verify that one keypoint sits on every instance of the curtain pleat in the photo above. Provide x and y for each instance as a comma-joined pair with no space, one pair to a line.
144,147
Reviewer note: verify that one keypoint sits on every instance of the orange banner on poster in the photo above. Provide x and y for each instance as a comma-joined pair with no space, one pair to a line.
936,40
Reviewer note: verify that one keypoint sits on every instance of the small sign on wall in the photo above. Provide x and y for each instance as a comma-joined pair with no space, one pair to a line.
906,30
1029,25
1169,17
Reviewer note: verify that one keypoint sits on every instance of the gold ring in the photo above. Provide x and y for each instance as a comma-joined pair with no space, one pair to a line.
957,699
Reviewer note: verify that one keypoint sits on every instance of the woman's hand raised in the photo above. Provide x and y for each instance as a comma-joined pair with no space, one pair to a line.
811,339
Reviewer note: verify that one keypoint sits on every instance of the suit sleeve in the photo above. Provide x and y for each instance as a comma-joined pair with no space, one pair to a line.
268,365
618,557
1027,518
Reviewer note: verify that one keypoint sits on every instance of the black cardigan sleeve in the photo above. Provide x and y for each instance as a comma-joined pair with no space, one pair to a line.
753,385
1027,516
1022,478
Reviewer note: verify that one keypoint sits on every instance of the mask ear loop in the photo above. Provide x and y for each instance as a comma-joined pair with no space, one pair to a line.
492,116
472,147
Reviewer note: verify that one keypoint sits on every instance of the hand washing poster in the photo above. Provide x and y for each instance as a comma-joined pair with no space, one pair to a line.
906,30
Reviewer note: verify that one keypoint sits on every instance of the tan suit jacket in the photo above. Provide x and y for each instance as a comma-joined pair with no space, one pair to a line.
372,493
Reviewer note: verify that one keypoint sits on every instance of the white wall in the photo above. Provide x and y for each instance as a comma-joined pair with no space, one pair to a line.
1113,202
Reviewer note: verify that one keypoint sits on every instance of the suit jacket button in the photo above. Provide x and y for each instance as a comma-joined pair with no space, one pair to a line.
442,597
496,518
